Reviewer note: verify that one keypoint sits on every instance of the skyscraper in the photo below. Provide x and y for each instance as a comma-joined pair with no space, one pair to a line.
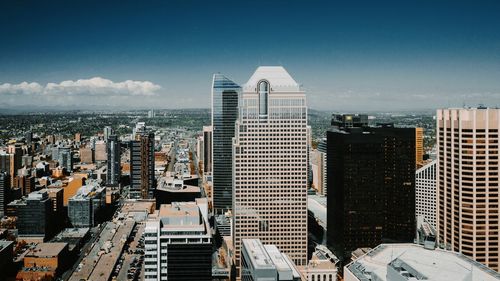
371,184
142,163
467,182
4,191
65,158
207,150
224,113
270,164
108,131
419,147
425,192
114,157
16,153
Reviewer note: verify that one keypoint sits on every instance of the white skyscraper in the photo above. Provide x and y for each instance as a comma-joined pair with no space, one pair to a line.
270,164
425,192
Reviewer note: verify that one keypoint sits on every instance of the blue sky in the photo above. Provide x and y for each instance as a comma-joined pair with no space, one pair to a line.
350,55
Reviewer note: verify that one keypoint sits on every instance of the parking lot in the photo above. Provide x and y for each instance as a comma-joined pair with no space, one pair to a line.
130,264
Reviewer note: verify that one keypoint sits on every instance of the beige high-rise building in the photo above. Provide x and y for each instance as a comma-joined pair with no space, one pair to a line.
467,182
270,152
419,147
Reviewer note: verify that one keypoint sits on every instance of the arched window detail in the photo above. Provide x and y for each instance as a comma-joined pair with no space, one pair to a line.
263,90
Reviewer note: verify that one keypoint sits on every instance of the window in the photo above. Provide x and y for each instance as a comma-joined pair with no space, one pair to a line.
263,89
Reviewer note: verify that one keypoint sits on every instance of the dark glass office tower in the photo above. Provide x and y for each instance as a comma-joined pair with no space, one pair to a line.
371,185
4,191
224,113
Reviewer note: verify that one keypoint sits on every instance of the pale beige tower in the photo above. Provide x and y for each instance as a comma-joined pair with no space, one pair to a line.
271,164
468,182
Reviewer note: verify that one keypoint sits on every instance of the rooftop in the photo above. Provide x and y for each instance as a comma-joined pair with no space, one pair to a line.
178,209
43,250
413,262
257,254
74,232
277,76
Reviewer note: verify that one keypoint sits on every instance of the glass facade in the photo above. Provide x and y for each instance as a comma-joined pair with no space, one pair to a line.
224,113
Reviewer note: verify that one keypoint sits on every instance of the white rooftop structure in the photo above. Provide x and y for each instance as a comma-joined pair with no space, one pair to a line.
266,262
395,262
277,76
257,254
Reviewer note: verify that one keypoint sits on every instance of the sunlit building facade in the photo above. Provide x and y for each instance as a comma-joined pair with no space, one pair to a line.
271,164
467,182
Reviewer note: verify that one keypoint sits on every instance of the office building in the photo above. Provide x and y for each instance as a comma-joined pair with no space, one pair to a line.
224,113
170,190
78,137
207,150
271,164
4,161
100,151
200,154
6,256
16,153
371,179
108,131
34,213
266,262
26,183
4,191
56,196
318,169
84,207
65,159
398,262
178,243
142,163
425,192
419,147
86,155
114,158
44,261
28,137
468,182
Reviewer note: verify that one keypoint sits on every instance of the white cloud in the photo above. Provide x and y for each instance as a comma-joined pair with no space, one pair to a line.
20,89
95,91
96,86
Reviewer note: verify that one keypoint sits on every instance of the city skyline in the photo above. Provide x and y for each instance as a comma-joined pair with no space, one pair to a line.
407,55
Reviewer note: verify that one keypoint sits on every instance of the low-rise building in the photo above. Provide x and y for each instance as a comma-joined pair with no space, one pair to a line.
44,260
266,262
322,266
395,262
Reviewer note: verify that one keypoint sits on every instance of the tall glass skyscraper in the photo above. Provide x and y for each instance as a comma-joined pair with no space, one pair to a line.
271,164
224,113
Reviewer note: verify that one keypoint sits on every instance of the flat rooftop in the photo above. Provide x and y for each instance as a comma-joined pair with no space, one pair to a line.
138,206
414,261
257,254
179,209
47,250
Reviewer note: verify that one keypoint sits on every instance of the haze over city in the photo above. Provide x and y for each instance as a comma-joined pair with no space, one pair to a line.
362,55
